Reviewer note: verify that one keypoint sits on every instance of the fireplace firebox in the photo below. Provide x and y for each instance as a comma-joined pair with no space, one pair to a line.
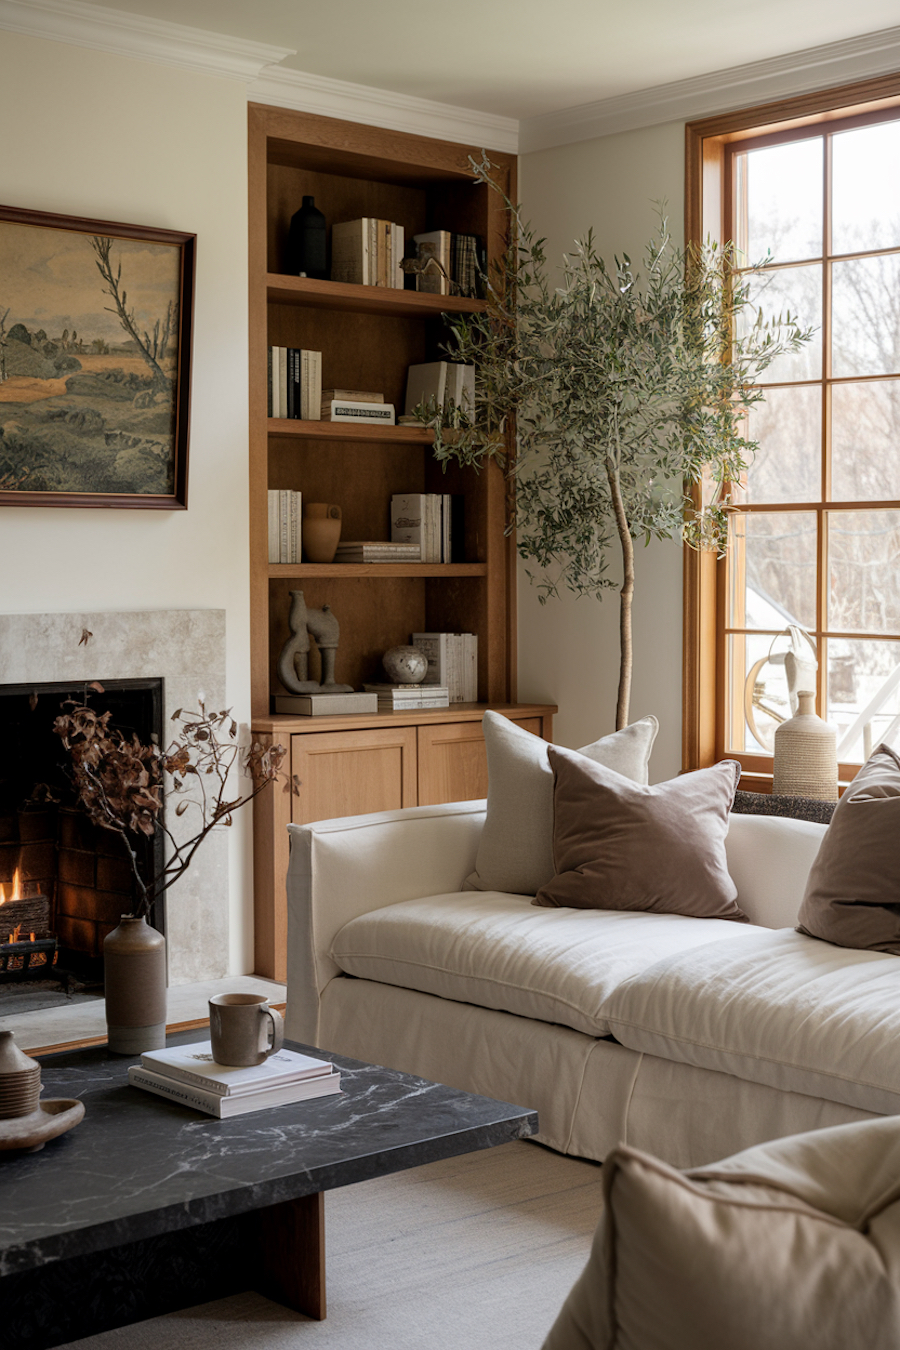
64,882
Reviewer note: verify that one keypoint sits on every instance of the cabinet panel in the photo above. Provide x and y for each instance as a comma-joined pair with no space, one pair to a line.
349,773
453,760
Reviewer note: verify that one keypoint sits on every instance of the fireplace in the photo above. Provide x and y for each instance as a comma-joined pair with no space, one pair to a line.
64,882
185,649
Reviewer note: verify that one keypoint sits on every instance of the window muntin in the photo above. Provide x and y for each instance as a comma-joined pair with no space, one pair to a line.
815,538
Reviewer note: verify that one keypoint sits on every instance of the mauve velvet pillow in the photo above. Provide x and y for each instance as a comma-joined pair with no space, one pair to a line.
852,896
624,845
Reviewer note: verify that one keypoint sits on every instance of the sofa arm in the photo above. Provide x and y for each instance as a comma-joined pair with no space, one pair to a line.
342,868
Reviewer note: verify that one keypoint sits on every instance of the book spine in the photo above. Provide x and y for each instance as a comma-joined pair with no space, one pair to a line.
272,501
407,520
296,499
315,387
269,383
202,1099
276,375
284,525
282,381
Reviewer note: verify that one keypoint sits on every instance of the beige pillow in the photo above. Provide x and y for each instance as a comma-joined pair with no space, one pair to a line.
790,1245
515,852
624,845
852,897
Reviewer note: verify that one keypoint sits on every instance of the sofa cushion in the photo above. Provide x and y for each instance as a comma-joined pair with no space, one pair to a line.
852,895
789,1245
515,852
775,1008
498,951
769,858
624,845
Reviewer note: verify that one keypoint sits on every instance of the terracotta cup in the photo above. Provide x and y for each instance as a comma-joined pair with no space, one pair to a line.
239,1028
321,531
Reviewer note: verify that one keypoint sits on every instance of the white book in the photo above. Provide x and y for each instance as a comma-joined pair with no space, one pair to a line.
275,399
350,251
460,391
398,245
314,412
223,1107
408,520
426,383
345,410
273,521
194,1064
433,646
446,507
295,544
284,525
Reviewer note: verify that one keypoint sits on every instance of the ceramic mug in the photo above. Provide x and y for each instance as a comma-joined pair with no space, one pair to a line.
239,1028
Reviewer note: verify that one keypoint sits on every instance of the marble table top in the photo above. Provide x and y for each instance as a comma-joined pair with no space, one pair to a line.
138,1165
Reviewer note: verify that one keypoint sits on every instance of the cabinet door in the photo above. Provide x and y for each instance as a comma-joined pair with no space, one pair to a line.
347,773
453,760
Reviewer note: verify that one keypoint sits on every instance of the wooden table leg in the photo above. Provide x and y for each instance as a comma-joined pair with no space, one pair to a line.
291,1240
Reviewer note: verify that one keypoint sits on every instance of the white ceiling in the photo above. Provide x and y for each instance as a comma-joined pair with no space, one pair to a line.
523,58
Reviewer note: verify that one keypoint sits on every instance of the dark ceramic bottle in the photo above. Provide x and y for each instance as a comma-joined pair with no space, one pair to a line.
306,242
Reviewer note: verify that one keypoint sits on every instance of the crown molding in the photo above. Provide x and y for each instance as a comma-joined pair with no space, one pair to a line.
802,72
380,108
112,30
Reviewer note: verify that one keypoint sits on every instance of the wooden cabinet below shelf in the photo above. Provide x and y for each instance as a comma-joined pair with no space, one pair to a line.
381,762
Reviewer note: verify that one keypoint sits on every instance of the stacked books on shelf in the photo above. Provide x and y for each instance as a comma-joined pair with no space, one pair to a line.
452,663
355,405
375,551
443,385
285,535
460,259
408,697
295,383
367,252
189,1075
430,520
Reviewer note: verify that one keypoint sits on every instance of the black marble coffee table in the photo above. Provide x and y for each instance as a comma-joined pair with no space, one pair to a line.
147,1206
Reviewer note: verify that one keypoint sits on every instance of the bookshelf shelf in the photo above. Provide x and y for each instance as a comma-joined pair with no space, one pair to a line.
360,432
342,296
368,337
340,571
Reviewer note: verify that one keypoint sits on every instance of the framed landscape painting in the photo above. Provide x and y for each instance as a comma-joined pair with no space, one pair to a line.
95,362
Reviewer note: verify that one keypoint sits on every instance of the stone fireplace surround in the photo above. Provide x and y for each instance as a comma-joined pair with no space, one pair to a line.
186,648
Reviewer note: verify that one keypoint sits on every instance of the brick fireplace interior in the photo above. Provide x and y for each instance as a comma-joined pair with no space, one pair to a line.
72,879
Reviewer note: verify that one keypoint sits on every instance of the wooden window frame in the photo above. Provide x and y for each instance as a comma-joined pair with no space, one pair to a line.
703,658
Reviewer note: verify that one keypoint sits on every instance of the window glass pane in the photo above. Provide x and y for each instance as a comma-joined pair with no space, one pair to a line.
866,189
864,696
759,697
787,466
865,441
772,570
864,571
865,299
783,211
798,290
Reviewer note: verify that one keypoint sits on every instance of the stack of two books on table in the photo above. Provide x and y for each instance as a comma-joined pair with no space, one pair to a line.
188,1074
407,697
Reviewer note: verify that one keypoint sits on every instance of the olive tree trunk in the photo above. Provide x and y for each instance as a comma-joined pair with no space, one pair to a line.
626,595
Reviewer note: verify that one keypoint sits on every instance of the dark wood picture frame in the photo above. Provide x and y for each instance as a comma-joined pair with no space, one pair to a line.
98,417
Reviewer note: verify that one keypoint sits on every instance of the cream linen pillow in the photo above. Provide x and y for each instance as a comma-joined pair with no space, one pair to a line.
852,897
515,853
790,1245
624,845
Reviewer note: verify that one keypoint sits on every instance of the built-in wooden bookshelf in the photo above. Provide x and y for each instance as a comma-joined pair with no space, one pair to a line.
368,337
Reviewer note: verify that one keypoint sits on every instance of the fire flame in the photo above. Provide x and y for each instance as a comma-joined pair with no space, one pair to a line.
14,888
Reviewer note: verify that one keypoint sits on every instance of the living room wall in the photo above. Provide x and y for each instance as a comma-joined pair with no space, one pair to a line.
93,134
568,648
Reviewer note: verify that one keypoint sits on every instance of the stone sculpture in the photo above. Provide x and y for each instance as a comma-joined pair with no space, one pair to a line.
293,663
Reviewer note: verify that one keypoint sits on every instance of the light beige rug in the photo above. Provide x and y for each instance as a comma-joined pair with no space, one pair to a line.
476,1253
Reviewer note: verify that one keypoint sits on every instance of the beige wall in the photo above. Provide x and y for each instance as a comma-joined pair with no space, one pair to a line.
568,648
92,134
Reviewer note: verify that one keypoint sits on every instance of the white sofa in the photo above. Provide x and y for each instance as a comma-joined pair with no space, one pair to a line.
687,1038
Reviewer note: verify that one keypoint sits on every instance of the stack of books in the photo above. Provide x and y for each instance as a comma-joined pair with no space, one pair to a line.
295,383
375,550
452,662
406,697
367,252
285,535
440,385
365,408
461,262
188,1074
430,520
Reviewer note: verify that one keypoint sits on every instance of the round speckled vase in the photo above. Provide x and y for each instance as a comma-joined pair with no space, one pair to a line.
134,977
805,758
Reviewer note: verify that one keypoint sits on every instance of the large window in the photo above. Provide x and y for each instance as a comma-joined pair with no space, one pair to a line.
809,595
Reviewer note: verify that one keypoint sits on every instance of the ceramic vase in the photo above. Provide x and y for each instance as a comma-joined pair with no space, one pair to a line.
306,242
134,973
321,531
806,755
